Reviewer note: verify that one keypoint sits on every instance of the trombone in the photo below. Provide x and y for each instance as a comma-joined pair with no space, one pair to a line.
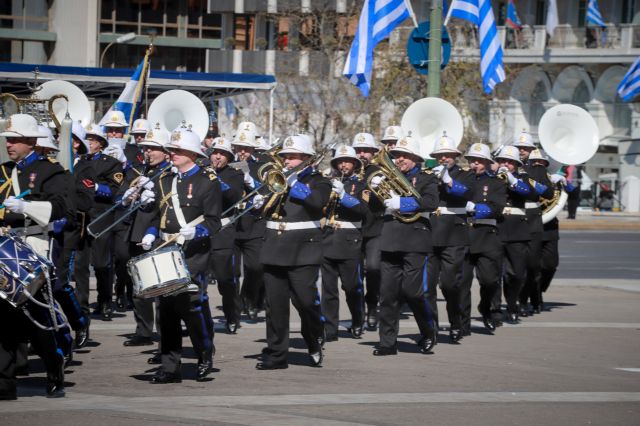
132,208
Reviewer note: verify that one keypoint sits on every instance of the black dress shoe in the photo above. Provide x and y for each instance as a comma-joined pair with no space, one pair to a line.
232,327
426,344
120,305
331,338
8,396
356,331
512,317
455,334
82,337
252,313
524,311
106,312
488,323
204,368
162,377
267,365
316,357
55,389
138,341
383,351
155,360
372,318
536,309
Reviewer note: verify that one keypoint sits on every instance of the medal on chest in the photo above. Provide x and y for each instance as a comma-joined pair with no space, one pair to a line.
32,180
189,191
485,189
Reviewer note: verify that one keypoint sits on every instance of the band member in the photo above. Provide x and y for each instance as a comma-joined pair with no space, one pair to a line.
366,148
156,160
342,244
115,128
550,235
262,146
513,229
29,215
392,135
222,257
487,198
544,189
450,234
250,227
134,151
182,198
405,247
292,254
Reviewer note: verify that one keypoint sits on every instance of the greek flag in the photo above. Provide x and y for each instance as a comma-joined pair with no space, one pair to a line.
594,16
512,16
377,19
630,85
479,12
131,97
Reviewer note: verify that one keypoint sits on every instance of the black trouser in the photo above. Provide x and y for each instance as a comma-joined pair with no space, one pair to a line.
514,267
531,288
222,264
122,254
371,258
550,261
143,309
62,290
487,269
252,281
298,284
445,267
98,253
404,278
348,270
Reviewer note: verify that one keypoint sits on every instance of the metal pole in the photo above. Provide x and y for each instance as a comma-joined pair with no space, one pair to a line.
435,49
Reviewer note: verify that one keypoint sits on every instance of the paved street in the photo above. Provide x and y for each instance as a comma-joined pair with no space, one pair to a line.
575,364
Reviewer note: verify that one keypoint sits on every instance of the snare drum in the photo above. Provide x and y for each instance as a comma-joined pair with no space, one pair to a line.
22,271
159,272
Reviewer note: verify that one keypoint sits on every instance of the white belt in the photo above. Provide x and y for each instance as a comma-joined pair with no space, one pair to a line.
514,211
389,212
339,224
225,221
473,221
292,226
531,205
450,210
166,237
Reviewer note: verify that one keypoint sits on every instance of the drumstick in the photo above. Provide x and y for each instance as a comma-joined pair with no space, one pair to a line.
197,221
21,195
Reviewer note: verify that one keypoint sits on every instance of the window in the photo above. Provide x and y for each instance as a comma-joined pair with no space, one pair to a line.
582,13
541,12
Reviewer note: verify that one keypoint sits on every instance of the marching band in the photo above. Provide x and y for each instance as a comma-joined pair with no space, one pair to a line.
166,216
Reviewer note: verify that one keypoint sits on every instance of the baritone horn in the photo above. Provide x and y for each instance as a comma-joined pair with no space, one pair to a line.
570,136
428,118
174,107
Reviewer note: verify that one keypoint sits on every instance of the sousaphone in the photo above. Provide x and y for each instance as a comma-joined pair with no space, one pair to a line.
174,107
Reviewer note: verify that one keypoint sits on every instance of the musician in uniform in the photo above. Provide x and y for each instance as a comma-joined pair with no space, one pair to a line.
450,235
292,254
513,229
405,247
222,256
486,200
188,213
29,215
250,228
392,134
342,244
366,149
134,188
544,189
135,151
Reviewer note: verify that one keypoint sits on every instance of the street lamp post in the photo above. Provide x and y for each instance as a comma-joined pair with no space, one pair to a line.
125,38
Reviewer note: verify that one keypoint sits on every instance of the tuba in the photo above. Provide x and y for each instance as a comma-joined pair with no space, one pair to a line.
428,118
174,107
570,136
394,181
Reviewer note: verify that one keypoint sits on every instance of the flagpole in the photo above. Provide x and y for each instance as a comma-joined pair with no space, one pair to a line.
141,82
413,15
435,47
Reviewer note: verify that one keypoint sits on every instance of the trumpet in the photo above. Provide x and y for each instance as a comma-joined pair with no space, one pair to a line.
132,208
394,181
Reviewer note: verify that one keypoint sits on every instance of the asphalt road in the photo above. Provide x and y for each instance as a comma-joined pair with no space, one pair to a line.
577,363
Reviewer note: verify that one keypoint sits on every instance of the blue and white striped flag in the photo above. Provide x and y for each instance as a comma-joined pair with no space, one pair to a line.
129,100
629,87
479,12
593,14
377,20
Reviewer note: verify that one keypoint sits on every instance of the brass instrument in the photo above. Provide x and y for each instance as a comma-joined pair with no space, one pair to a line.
394,181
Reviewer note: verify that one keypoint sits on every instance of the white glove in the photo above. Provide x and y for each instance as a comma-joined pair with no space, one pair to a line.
126,198
438,169
376,181
115,152
146,183
248,180
188,232
511,178
470,207
558,178
393,203
147,197
445,178
147,241
14,205
258,201
338,187
292,179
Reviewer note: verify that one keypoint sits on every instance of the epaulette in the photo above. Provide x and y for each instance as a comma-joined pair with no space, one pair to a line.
52,160
427,171
210,173
465,169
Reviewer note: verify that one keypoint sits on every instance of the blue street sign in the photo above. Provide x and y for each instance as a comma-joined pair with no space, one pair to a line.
418,48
